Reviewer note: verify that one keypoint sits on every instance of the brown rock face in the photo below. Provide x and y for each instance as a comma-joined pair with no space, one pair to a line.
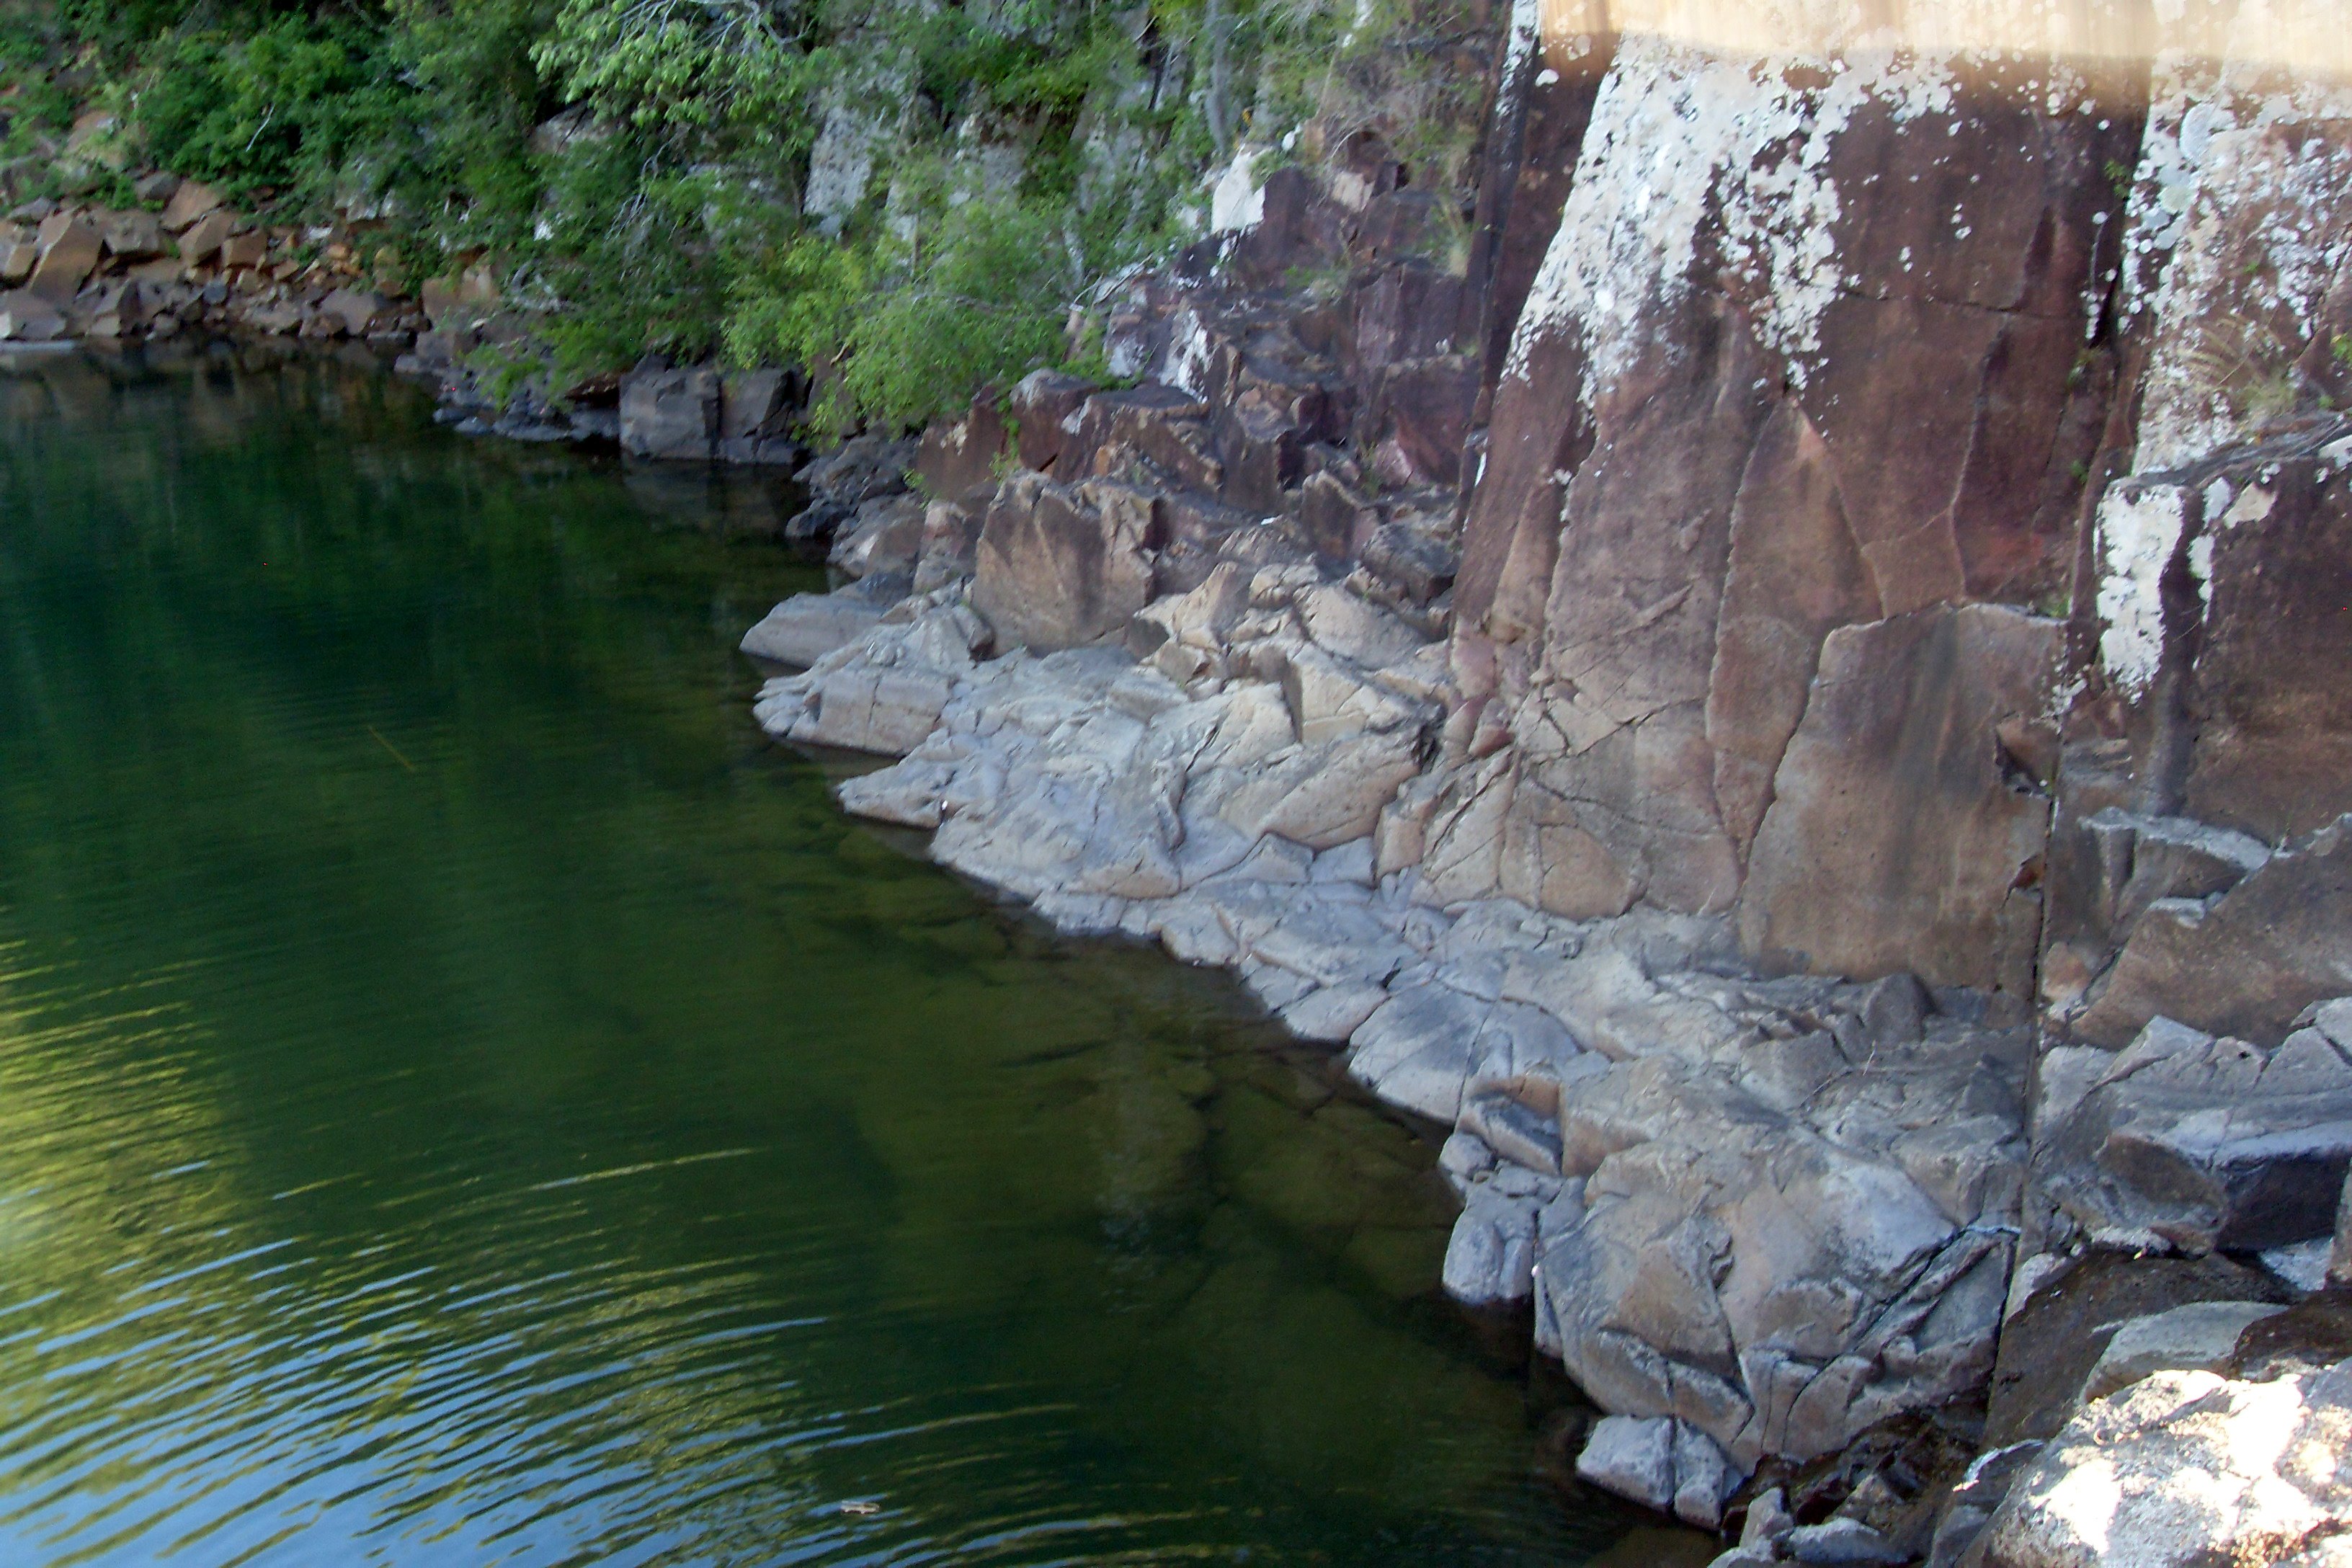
69,249
1540,122
249,250
1059,566
2212,596
1111,430
1042,400
2271,946
2274,749
1419,417
1896,838
1700,467
191,201
205,236
958,458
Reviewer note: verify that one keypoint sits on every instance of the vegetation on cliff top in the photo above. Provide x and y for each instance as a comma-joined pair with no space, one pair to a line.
908,199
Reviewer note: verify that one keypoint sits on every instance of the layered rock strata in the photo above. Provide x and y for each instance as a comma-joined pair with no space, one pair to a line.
1805,726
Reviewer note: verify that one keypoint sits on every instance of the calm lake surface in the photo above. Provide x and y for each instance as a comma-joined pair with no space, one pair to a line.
466,1099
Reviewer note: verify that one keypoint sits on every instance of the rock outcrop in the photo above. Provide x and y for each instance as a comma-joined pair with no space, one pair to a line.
73,270
1793,706
1693,717
1783,677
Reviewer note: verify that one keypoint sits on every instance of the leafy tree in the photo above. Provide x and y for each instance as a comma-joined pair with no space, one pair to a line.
636,167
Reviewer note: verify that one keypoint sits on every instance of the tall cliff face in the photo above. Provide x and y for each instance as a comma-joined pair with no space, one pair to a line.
1829,413
1868,509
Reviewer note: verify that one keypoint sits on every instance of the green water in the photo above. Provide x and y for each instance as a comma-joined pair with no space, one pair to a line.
465,1098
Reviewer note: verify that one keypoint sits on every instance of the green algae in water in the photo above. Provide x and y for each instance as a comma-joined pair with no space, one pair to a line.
465,1098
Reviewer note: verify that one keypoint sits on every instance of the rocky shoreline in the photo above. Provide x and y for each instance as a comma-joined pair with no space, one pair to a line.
1846,882
1639,1121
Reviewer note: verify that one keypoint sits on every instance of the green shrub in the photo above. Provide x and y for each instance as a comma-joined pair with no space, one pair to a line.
623,249
669,216
281,105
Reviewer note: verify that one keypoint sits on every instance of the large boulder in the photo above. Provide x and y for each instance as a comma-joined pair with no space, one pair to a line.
2057,1333
26,318
357,309
807,627
885,537
70,247
1043,407
669,413
2198,1142
1631,1455
884,690
2185,1469
191,200
1059,566
2244,961
843,479
204,236
756,410
131,236
1111,430
1735,1269
2199,1337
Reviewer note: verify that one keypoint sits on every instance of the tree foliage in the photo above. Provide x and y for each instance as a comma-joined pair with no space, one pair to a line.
636,169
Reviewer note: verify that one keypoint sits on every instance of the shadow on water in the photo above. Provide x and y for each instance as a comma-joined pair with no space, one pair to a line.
464,1098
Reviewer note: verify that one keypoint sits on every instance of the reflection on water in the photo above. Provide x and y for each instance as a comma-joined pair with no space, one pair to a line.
464,1099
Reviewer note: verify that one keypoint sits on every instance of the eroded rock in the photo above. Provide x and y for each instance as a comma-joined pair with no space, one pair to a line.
2202,1141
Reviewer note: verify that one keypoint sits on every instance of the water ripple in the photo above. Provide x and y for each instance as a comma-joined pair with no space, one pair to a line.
465,1100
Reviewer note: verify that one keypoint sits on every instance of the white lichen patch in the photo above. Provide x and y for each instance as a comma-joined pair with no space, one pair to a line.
1186,365
2138,532
1684,136
2241,218
1237,201
2269,229
2240,222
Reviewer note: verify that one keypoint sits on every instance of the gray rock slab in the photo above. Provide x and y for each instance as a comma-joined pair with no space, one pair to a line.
1839,1544
2245,964
2198,1337
807,627
1490,1257
2207,1141
1333,1014
1633,1457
